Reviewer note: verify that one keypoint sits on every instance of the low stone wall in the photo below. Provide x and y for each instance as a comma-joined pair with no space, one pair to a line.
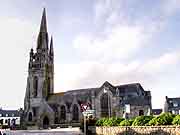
140,130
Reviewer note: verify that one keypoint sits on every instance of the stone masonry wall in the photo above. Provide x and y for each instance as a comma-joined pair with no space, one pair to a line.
143,130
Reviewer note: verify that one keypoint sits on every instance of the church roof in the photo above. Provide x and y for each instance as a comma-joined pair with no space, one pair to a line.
133,91
9,113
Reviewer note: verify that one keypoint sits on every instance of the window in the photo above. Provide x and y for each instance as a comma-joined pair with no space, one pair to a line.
173,112
75,113
6,115
105,105
13,115
0,115
175,104
34,111
30,117
49,85
63,113
141,112
35,85
1,121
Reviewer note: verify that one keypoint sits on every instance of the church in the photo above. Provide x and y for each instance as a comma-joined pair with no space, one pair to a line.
44,108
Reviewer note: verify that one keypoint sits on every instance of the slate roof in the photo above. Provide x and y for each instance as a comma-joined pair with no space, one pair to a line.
11,113
134,92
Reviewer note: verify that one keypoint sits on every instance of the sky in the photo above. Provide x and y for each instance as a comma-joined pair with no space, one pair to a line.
119,41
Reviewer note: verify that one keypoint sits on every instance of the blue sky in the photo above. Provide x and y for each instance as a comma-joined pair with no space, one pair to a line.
95,41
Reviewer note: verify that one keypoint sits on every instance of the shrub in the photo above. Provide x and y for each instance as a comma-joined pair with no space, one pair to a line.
176,120
163,119
117,121
126,123
109,121
100,122
142,120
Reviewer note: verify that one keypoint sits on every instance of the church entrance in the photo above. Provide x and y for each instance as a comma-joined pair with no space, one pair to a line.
45,122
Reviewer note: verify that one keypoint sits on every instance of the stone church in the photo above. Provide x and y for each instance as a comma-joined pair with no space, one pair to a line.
44,108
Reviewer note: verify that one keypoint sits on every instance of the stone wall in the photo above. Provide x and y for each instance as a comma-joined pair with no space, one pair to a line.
143,130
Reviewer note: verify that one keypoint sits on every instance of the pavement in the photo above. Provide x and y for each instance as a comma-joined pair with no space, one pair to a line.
60,131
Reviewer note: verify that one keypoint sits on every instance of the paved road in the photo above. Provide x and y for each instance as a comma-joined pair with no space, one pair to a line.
45,132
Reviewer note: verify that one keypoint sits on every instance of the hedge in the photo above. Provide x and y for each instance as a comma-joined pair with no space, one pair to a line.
142,120
109,121
162,119
176,120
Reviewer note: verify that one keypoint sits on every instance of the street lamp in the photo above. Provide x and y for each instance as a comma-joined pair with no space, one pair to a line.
105,91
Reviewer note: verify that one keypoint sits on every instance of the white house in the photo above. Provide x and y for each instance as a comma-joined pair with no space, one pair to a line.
9,117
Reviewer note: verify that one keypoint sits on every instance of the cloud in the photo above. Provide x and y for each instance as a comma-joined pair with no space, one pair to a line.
118,36
88,74
91,73
118,42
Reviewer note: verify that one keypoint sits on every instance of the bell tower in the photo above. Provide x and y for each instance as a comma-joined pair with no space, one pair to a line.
40,80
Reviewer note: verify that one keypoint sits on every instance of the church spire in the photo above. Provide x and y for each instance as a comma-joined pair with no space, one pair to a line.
43,27
42,42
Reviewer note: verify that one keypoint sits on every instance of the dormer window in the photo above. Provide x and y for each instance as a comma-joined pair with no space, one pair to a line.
0,115
6,115
175,104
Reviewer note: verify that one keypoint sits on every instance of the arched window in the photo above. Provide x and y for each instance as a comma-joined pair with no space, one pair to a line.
49,84
30,117
35,85
63,113
105,105
75,113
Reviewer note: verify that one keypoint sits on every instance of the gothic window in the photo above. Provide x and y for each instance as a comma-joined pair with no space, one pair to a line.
30,117
63,113
34,111
35,85
105,105
75,113
49,85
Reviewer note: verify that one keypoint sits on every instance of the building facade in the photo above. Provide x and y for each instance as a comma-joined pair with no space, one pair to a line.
43,107
172,105
9,118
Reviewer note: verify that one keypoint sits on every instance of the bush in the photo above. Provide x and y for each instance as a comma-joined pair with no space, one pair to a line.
142,120
109,121
126,123
163,119
100,122
176,120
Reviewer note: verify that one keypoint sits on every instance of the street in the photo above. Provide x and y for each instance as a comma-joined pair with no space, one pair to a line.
63,131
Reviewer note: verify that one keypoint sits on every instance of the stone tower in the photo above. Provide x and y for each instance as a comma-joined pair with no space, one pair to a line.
40,80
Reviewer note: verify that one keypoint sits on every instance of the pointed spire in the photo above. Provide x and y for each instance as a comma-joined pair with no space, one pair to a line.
43,34
51,51
43,27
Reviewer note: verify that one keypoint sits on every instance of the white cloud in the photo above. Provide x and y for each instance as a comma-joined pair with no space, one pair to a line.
117,42
94,74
